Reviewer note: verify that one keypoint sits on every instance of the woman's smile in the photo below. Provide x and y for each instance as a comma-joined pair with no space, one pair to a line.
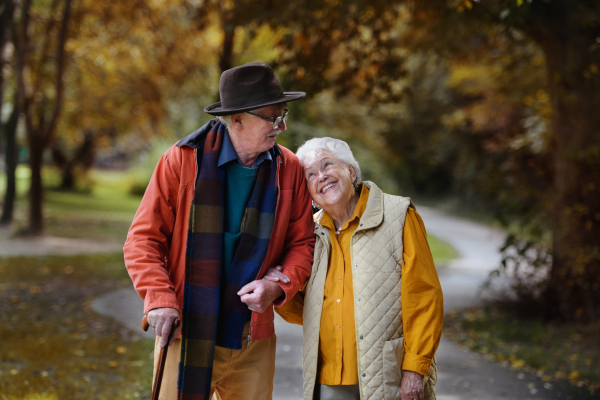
328,187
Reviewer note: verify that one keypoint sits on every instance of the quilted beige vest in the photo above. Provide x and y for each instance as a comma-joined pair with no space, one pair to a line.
376,254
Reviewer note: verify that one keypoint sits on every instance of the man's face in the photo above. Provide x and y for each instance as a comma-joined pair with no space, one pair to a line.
255,135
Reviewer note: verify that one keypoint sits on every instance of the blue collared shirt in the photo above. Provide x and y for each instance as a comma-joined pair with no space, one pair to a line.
228,153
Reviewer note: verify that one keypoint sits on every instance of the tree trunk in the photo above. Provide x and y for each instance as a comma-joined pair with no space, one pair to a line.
574,286
36,191
11,160
228,25
9,129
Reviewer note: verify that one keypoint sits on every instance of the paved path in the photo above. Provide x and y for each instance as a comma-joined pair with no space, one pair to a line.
461,374
34,246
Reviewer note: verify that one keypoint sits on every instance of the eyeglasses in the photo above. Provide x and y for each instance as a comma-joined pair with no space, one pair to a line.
276,121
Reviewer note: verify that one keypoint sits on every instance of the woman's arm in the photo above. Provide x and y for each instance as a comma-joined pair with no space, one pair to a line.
421,298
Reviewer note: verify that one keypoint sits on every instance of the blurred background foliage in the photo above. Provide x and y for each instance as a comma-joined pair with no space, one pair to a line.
485,108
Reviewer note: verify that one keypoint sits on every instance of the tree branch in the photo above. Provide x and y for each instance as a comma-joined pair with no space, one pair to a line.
60,69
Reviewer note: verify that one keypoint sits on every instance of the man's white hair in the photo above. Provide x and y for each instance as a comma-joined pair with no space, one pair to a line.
226,119
336,147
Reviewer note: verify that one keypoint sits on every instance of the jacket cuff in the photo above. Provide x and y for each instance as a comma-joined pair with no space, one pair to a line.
416,363
159,299
289,290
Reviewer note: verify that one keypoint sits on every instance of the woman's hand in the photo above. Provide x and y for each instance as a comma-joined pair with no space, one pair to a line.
412,386
275,275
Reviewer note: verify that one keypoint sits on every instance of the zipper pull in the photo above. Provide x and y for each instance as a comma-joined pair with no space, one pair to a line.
248,338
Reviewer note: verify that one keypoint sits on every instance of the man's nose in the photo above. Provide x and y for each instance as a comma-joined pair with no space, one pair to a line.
282,126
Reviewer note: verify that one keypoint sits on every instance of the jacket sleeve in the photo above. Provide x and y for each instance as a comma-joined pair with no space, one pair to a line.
148,241
421,298
299,244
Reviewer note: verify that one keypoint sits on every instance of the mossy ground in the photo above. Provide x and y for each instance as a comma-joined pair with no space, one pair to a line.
53,346
555,352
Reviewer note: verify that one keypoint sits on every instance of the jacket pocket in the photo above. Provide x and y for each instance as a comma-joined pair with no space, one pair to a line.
393,355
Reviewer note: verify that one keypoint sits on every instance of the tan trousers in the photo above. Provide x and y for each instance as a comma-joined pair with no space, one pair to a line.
237,374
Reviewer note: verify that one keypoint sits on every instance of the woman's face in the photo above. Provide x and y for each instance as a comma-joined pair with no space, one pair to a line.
330,181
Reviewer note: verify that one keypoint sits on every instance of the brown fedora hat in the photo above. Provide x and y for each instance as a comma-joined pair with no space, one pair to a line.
248,87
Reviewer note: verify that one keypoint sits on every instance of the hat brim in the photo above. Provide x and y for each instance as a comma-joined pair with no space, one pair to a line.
216,109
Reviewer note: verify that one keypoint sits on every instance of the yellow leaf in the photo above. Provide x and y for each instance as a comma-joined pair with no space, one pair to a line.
113,363
574,375
14,371
121,350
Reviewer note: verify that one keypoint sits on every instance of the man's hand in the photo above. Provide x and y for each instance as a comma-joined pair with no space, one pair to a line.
161,319
260,294
412,386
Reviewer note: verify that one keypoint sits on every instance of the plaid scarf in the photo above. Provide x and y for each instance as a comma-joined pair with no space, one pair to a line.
213,314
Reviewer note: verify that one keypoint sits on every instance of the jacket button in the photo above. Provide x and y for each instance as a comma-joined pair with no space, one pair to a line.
364,375
361,338
361,224
359,300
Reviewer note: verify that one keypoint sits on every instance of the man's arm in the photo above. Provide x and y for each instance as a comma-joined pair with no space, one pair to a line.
297,258
299,244
147,245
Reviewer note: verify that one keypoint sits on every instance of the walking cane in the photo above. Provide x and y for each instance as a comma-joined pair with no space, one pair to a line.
162,358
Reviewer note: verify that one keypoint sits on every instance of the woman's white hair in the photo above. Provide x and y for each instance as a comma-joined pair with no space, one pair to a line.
338,149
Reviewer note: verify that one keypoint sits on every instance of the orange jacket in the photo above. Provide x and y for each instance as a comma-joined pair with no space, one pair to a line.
156,243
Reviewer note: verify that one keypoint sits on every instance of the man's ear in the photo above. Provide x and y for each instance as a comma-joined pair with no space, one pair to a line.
236,119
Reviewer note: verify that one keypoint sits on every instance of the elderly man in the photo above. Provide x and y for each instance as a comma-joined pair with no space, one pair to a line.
224,204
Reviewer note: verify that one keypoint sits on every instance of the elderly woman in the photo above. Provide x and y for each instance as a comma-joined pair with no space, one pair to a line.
372,309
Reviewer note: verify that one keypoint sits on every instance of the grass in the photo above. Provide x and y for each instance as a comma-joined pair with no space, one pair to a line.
441,251
53,346
104,212
556,352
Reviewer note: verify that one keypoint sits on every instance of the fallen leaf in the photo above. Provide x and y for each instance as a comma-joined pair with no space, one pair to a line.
574,375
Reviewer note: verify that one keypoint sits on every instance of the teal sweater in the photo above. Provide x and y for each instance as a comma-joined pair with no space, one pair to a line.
240,182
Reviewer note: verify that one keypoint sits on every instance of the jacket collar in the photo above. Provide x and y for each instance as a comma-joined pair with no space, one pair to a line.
371,218
196,139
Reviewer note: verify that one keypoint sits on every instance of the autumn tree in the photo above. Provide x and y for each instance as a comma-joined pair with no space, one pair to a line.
359,50
569,35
